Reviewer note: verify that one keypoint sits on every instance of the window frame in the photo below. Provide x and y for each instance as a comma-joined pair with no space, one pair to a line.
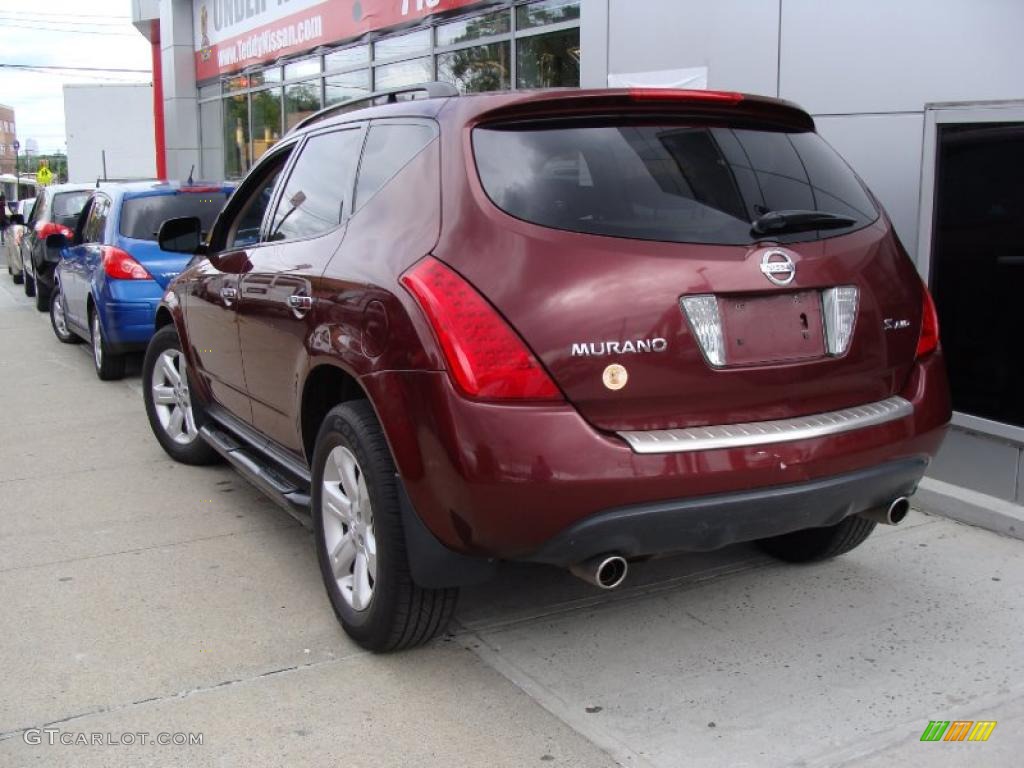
362,127
358,205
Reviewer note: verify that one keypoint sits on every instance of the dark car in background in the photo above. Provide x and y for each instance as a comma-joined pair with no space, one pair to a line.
55,213
112,272
569,327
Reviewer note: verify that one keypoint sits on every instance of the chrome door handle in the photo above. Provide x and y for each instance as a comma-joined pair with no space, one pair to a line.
300,304
228,294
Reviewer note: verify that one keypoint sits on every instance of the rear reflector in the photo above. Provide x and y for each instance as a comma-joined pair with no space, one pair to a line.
679,94
702,312
485,357
121,266
840,306
929,338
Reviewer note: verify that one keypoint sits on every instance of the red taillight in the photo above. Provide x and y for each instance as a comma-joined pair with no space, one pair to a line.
679,94
485,356
929,338
43,231
121,266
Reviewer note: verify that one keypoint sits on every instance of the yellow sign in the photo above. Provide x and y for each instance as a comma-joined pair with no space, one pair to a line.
44,176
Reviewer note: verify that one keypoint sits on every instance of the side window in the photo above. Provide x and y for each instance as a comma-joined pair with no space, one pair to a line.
316,197
245,225
389,148
37,209
96,223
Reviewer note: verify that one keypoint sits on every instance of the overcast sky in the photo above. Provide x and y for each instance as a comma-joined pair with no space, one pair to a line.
67,33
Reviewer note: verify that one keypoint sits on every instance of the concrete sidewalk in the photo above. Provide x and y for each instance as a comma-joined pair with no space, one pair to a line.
143,596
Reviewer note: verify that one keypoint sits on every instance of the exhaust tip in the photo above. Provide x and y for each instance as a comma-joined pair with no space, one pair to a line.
611,572
898,510
603,571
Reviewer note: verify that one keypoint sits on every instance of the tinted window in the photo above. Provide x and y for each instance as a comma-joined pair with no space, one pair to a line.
256,194
96,221
389,148
141,217
67,205
318,190
671,182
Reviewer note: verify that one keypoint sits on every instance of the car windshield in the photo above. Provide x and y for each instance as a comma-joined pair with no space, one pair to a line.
676,183
141,217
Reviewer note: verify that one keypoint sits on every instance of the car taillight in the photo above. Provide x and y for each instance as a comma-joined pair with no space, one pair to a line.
485,356
680,94
929,338
121,266
53,228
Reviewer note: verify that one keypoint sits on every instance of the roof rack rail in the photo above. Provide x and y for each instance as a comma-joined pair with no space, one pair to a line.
432,90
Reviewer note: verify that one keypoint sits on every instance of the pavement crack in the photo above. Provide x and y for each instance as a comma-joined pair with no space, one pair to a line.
290,524
184,694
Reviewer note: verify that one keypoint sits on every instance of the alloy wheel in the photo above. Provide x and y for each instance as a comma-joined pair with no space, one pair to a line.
97,340
347,519
58,314
171,399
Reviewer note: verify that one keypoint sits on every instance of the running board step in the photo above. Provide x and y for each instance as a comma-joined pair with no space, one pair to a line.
292,497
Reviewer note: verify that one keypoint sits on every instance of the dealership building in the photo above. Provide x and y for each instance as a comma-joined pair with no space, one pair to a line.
924,98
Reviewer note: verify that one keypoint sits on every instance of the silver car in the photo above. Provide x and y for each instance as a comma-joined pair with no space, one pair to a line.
12,240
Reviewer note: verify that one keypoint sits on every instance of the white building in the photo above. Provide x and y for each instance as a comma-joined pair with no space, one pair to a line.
109,130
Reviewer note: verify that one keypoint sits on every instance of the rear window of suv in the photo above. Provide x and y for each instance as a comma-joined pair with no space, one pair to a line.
141,217
668,182
67,204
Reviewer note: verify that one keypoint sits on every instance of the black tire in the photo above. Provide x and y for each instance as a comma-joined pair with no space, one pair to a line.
42,297
109,365
30,285
58,319
18,278
400,614
196,452
819,543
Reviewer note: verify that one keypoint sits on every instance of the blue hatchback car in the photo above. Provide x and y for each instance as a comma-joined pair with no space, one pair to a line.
110,278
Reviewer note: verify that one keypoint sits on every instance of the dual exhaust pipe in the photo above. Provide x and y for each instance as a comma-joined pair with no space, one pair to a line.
609,571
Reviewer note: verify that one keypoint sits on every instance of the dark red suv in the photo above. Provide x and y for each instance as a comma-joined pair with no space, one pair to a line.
575,327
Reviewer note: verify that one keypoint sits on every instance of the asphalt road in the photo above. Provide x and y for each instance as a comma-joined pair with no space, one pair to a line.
142,597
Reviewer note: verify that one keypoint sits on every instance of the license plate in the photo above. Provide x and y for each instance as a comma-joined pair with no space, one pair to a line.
772,329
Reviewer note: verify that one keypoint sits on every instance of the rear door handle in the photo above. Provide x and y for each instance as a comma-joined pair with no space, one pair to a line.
228,294
300,305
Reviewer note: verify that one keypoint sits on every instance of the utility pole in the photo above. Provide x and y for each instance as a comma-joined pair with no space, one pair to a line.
17,171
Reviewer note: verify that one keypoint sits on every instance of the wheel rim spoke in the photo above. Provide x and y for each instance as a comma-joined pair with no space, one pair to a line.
343,556
169,371
361,589
175,424
337,503
163,395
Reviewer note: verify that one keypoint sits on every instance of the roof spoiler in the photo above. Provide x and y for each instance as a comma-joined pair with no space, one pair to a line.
711,105
432,90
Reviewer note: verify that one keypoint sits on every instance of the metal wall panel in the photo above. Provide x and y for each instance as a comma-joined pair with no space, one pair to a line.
980,463
882,56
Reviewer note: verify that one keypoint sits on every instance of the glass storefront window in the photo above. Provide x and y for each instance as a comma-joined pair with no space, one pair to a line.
347,58
546,12
265,77
266,121
549,61
300,101
477,69
345,87
304,68
236,136
236,83
403,73
402,46
473,29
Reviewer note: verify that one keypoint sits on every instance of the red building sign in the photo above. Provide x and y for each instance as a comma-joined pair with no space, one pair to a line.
233,34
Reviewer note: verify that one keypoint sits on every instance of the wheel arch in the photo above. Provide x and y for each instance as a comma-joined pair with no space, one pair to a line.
327,385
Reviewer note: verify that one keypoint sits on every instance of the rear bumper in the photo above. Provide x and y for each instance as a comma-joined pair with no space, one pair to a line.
712,522
128,312
515,482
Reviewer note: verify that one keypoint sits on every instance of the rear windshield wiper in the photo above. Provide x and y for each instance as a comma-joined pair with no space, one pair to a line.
798,221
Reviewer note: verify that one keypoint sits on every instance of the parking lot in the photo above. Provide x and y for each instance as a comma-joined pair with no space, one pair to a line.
145,597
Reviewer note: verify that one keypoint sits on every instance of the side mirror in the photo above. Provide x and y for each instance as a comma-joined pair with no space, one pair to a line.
17,218
55,244
184,235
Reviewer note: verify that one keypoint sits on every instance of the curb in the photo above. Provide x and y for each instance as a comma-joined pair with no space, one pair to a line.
967,506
